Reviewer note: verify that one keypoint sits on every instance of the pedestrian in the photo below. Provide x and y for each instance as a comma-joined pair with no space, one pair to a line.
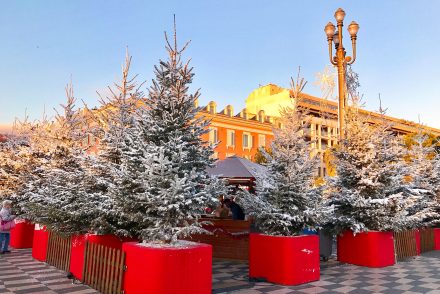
237,212
6,224
221,211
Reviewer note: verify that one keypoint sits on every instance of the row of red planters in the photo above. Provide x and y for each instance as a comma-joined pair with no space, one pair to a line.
281,260
164,270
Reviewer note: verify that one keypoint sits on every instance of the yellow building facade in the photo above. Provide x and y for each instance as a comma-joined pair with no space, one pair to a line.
242,133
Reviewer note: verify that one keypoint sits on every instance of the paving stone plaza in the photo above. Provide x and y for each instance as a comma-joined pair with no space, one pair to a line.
415,275
21,274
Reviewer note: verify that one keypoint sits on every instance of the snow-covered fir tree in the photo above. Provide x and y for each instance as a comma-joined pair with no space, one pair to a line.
287,201
175,186
424,181
60,195
368,190
118,166
12,166
29,151
422,158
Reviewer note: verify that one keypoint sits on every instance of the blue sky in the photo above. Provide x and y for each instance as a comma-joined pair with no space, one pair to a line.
236,46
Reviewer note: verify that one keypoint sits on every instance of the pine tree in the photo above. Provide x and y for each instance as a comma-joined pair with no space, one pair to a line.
60,195
118,165
29,152
174,187
12,166
424,176
368,190
287,200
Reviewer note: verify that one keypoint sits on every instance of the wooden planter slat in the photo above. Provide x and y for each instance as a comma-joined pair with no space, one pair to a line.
405,244
103,268
58,251
426,240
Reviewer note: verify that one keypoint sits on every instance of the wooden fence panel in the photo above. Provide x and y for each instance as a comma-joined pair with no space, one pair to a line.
427,240
103,268
58,251
405,244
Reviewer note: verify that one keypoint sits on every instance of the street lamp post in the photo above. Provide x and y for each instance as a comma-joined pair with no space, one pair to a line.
341,60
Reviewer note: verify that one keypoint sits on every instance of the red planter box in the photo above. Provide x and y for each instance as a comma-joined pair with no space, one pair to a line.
78,249
77,256
436,239
168,270
371,249
417,235
284,260
39,245
22,236
111,241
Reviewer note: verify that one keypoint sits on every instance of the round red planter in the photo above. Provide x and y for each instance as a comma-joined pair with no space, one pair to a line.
170,270
39,245
284,260
370,249
22,236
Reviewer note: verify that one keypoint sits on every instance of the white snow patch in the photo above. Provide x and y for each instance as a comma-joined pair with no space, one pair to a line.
181,244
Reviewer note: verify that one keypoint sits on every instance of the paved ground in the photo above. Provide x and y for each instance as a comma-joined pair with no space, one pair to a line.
416,275
20,273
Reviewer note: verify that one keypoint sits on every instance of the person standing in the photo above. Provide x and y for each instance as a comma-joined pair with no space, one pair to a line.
237,211
6,224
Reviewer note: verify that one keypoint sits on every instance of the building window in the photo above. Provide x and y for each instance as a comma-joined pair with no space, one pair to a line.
212,107
230,141
230,154
261,116
247,140
213,136
261,141
229,111
324,144
244,114
324,131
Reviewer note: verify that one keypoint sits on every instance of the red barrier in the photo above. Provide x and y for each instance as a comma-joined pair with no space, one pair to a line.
284,260
169,270
418,247
370,249
436,239
111,241
22,235
77,255
78,249
39,245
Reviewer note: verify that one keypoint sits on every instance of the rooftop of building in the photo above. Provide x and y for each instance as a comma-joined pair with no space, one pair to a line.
264,103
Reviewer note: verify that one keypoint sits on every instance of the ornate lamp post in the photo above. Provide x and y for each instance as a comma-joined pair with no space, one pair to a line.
341,59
